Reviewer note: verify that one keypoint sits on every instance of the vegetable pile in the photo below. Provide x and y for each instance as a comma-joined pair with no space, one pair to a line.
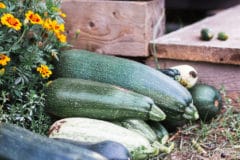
105,105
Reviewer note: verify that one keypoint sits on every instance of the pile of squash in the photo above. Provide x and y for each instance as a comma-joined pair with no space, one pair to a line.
118,109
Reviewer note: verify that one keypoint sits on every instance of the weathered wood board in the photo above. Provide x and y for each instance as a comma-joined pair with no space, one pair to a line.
218,75
114,27
185,43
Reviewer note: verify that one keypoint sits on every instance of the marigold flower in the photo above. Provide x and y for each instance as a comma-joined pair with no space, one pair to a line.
34,18
61,37
57,27
2,5
53,25
47,24
10,21
44,71
4,59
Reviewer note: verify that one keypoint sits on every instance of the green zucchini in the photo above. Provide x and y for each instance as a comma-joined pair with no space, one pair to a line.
94,131
71,97
141,127
208,101
166,93
173,73
173,121
160,131
145,130
20,144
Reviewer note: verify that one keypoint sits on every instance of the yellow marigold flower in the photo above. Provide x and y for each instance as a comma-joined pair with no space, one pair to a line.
34,18
4,59
53,25
44,71
2,71
47,24
57,27
10,21
2,5
61,37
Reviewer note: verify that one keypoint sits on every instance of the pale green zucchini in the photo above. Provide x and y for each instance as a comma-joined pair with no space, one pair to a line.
141,127
94,131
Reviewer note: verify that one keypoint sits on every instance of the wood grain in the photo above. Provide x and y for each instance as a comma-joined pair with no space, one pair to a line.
185,43
114,27
218,75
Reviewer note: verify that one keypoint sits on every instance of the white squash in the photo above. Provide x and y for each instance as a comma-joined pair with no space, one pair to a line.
188,75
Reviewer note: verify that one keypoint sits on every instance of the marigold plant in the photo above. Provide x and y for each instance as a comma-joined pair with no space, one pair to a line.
32,33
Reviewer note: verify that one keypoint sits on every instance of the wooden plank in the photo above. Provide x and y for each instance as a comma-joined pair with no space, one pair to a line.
114,27
185,43
217,75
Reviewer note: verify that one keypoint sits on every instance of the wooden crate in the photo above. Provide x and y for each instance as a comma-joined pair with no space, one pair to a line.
218,62
114,27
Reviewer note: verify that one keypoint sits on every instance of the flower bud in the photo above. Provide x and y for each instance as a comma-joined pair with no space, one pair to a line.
2,71
25,22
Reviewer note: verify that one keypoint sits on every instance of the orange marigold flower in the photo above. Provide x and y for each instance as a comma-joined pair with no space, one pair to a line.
57,27
34,18
44,71
10,21
2,5
47,24
53,25
61,37
4,59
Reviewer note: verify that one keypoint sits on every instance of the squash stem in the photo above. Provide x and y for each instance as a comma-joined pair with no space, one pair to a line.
156,114
166,149
191,112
